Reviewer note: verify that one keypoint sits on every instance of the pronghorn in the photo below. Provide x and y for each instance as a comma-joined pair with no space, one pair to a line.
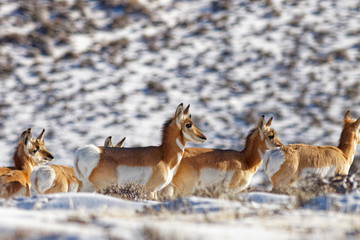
54,178
152,167
57,178
204,167
290,163
28,154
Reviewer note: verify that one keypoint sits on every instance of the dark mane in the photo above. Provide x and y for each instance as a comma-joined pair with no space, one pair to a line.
15,155
345,134
251,132
165,127
20,166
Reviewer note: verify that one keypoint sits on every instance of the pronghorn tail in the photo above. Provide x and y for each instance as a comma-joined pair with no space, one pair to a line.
42,179
86,159
272,161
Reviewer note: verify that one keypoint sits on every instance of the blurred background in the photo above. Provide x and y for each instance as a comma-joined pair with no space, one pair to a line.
84,70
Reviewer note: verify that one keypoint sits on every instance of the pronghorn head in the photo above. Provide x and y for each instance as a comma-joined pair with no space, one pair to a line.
351,126
186,126
108,142
35,147
267,134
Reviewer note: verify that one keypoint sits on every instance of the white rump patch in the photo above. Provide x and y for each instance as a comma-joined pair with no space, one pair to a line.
321,172
273,159
86,159
42,179
211,176
139,175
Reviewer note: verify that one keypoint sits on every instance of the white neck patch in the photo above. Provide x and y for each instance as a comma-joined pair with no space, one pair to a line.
260,153
179,157
182,147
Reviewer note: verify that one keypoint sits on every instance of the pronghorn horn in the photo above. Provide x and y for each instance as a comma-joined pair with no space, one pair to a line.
347,115
41,136
186,111
121,143
108,142
268,124
261,122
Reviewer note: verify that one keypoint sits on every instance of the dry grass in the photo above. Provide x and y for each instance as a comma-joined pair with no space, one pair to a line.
219,191
314,186
129,191
28,233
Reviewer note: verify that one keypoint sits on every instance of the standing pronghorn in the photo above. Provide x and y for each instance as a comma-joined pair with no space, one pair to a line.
203,167
290,163
152,167
29,153
57,178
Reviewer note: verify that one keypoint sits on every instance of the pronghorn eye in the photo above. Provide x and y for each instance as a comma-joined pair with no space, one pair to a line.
37,149
271,137
188,125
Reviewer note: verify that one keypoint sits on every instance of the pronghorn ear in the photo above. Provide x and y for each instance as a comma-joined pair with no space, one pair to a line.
121,143
25,136
179,112
41,136
347,115
268,124
186,111
261,122
108,142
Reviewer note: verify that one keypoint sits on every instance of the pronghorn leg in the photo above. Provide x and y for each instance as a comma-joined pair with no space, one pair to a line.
240,180
284,177
153,196
166,192
185,183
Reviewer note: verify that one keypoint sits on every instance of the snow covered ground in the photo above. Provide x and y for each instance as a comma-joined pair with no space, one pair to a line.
256,215
84,70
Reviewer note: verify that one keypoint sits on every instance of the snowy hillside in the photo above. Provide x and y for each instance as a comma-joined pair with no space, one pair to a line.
84,70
